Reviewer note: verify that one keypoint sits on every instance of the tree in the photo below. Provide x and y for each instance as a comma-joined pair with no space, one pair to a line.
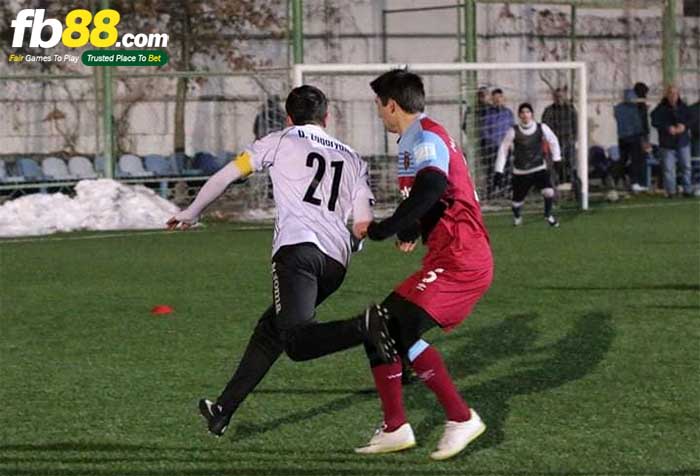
201,33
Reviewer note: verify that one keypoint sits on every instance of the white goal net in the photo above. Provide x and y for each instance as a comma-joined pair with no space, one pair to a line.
453,93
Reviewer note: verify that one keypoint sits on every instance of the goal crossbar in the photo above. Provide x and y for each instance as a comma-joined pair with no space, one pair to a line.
299,70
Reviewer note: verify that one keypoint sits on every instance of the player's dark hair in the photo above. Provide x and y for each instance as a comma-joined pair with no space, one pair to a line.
402,86
306,105
525,105
497,91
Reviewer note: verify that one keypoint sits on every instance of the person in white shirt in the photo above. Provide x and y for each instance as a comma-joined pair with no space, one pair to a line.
532,143
319,185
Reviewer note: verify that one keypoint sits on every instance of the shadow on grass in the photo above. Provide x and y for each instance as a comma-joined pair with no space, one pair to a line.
542,367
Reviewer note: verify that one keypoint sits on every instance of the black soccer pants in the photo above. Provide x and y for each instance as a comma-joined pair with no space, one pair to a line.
302,278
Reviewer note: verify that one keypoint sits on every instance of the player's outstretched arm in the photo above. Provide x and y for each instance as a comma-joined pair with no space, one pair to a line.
210,191
429,186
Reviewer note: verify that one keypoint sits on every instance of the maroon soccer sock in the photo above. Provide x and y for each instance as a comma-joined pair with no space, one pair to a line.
432,371
387,378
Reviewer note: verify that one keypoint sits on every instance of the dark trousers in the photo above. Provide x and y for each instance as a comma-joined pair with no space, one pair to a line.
302,278
632,153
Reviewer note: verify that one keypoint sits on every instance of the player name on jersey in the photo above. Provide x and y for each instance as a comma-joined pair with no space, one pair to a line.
322,140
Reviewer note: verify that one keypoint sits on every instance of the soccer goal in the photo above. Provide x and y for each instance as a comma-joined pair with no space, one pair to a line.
456,96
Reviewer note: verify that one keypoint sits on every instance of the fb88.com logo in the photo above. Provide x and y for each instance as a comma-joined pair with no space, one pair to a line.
77,32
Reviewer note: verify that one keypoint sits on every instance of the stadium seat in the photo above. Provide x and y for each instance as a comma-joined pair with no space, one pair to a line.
4,177
614,153
81,167
180,163
56,169
695,171
159,165
100,167
209,164
131,166
29,169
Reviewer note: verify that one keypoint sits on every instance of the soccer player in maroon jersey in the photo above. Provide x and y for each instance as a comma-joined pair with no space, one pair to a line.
441,206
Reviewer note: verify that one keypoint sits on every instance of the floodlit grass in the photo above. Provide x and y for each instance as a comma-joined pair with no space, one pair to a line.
583,359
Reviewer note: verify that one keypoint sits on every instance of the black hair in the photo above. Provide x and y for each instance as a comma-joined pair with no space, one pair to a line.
497,91
641,90
525,105
402,86
306,105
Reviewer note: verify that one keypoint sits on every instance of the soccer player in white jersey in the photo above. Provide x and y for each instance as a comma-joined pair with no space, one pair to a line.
319,184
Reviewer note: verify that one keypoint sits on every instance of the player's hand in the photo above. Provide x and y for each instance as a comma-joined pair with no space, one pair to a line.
359,230
680,128
181,221
405,246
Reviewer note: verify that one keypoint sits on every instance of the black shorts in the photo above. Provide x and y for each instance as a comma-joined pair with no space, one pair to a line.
302,277
523,183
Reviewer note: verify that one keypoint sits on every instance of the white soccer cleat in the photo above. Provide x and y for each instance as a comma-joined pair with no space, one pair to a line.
457,436
400,439
517,221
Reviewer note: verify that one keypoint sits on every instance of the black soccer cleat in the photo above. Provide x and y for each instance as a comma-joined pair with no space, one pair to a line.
377,332
217,420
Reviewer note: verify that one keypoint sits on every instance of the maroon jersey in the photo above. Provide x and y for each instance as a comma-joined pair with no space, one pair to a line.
458,267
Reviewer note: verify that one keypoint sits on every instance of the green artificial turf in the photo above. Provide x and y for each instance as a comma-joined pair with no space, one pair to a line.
583,358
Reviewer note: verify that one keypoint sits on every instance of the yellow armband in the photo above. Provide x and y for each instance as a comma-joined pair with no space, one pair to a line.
244,163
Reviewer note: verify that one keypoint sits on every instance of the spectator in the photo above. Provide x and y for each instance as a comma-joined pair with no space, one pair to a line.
630,139
480,107
694,127
641,90
271,118
498,120
671,118
562,118
472,126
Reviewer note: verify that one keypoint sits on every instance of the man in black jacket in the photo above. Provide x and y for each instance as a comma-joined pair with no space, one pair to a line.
671,119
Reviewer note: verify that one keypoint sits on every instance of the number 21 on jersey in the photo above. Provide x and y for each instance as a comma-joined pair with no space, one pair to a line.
337,167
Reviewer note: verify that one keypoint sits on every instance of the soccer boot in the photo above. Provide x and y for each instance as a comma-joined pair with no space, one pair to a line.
517,221
387,442
552,221
217,420
377,332
457,436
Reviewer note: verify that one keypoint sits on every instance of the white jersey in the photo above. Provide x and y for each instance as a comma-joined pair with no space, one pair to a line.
317,183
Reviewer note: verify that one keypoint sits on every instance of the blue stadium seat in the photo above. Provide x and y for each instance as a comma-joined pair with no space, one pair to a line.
159,165
180,164
695,171
131,166
5,176
614,153
30,170
209,164
56,169
81,167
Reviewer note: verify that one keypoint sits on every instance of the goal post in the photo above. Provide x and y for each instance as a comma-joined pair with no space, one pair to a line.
301,73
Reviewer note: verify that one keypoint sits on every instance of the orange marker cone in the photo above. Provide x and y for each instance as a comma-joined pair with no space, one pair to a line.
161,309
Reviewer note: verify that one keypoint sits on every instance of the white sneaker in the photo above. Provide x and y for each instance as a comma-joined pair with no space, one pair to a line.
457,436
517,221
382,442
636,188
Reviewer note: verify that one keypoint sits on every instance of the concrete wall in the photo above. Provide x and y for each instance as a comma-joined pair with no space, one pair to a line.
620,47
